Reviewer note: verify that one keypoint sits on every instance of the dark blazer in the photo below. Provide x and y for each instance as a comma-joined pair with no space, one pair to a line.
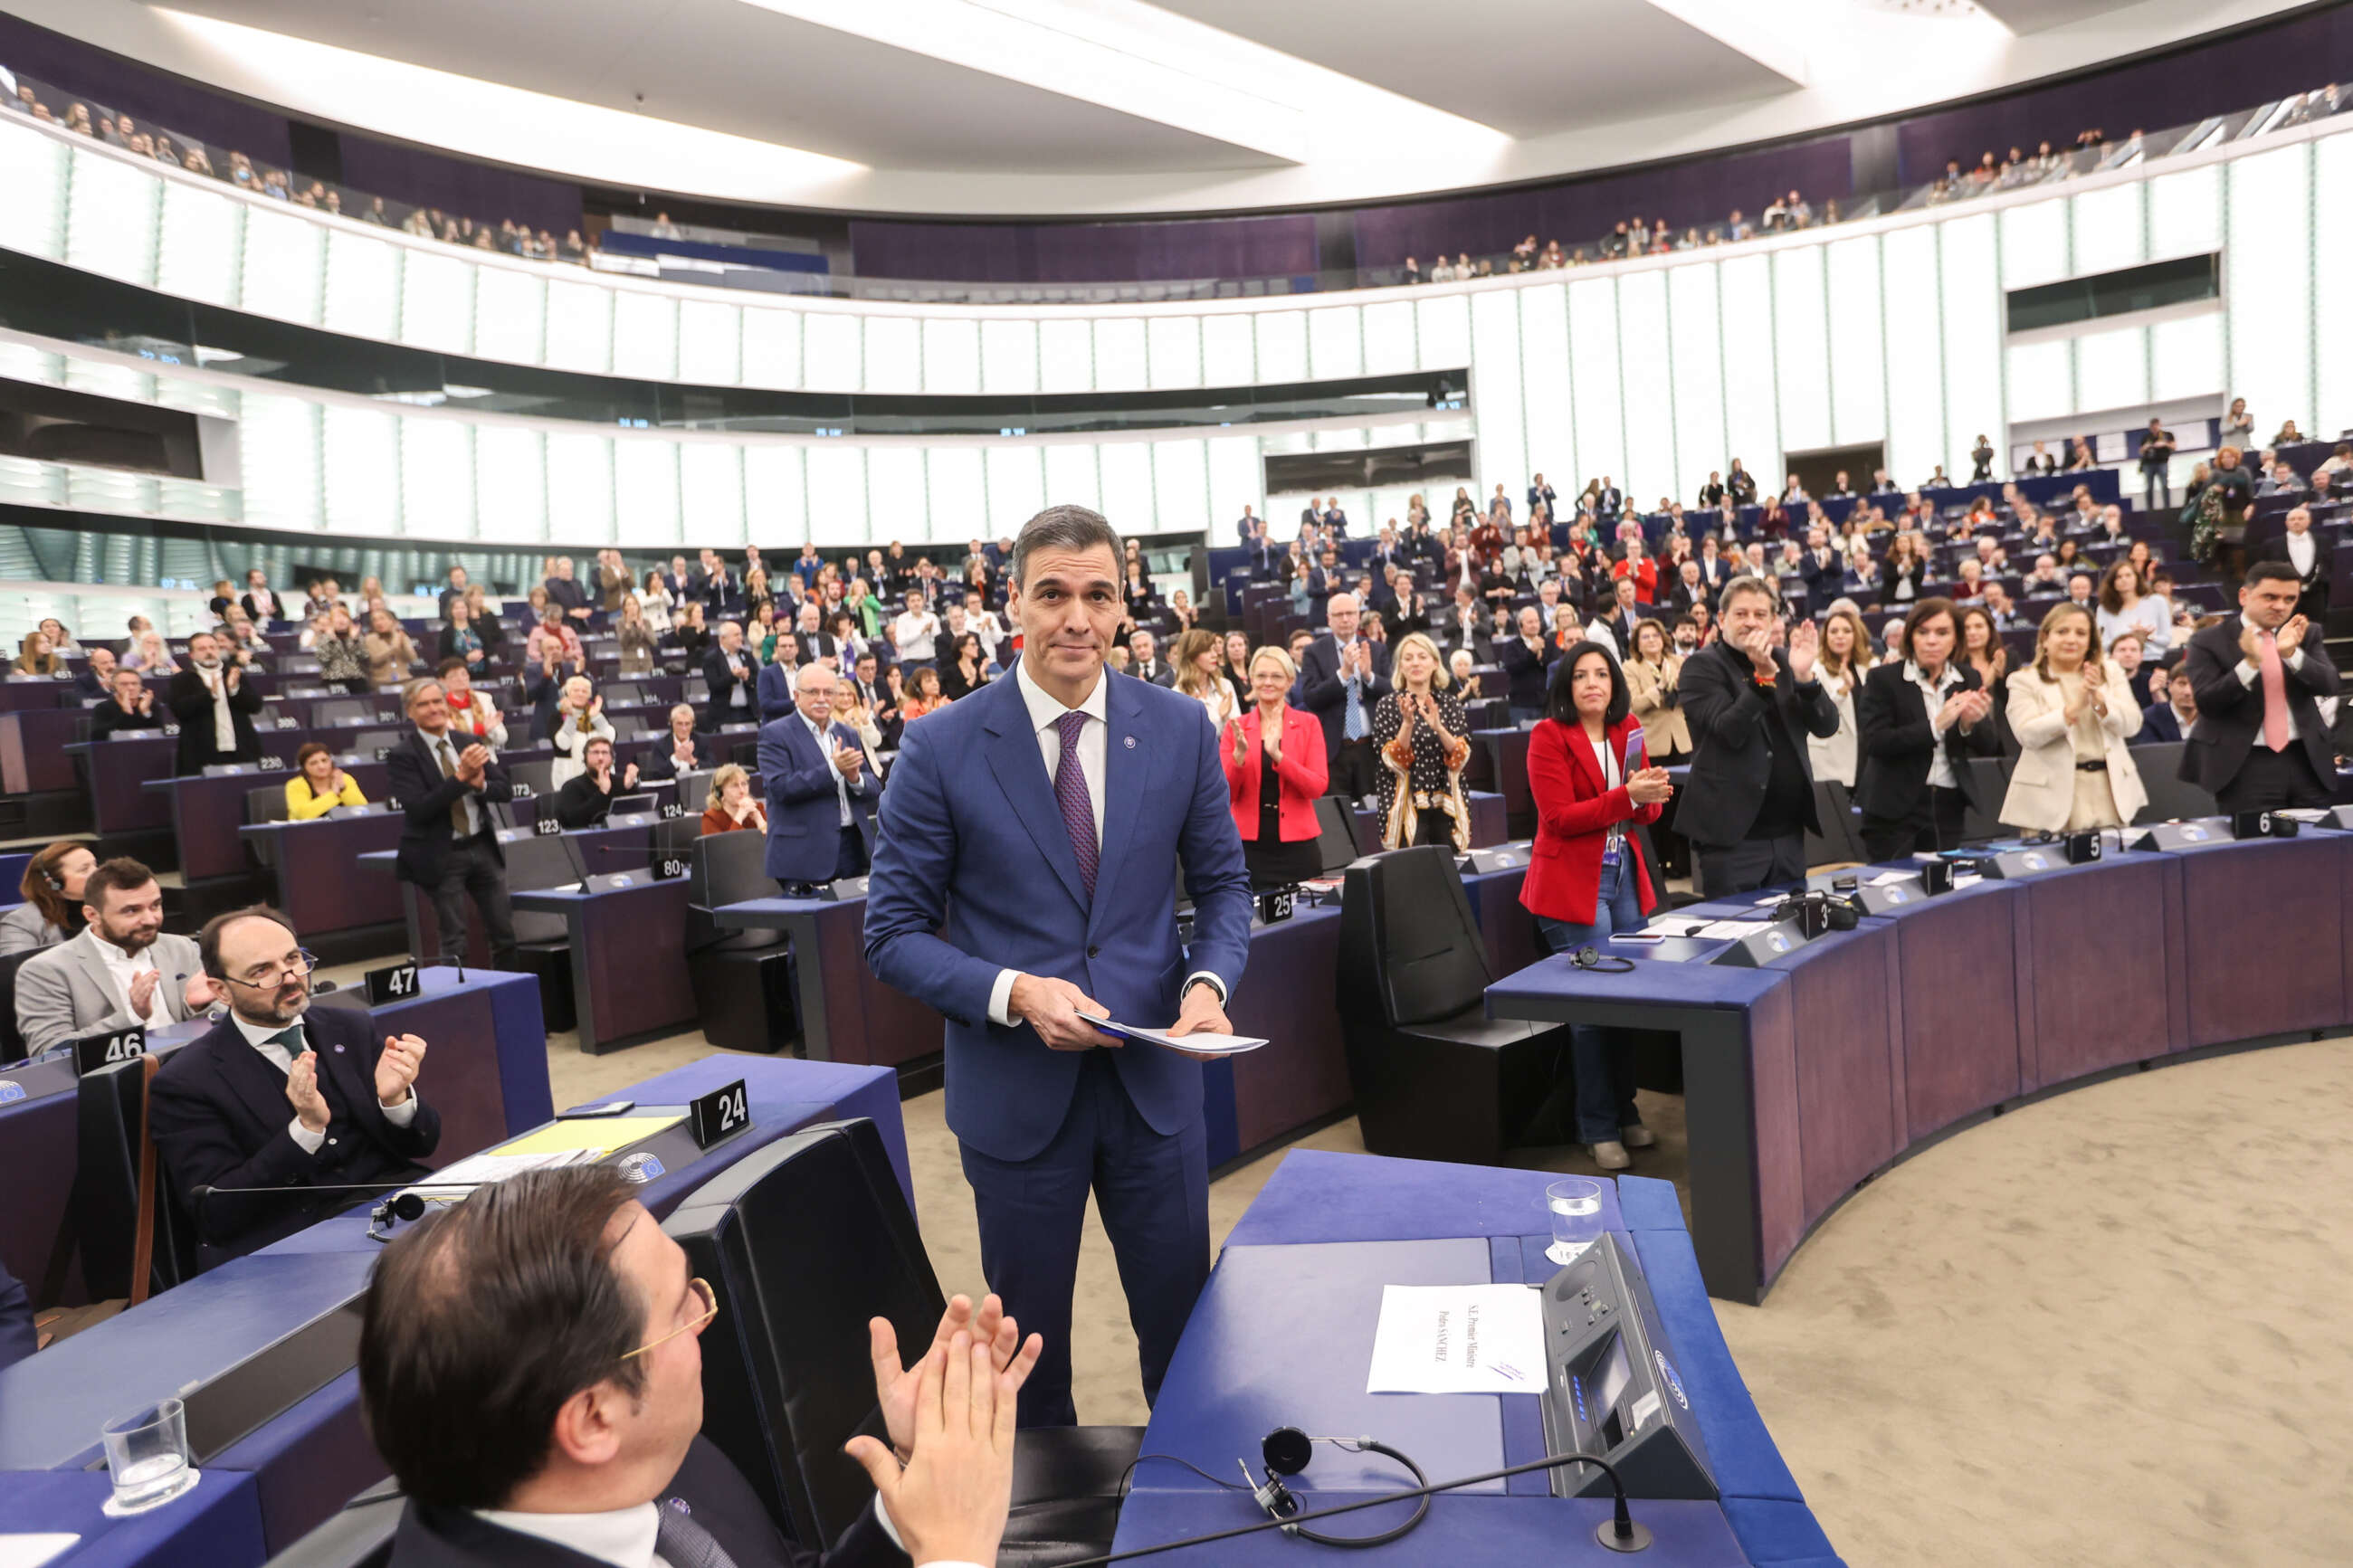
708,1488
1898,743
1529,672
258,619
18,1339
1325,695
2312,588
2231,711
655,763
1733,727
804,802
2160,725
774,689
543,692
192,709
107,717
427,799
580,803
219,1115
723,683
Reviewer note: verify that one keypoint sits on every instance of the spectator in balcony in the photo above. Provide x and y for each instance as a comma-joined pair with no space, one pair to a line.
473,715
578,719
2238,425
2288,436
1411,272
37,656
2122,607
458,639
341,653
552,639
2157,446
662,228
389,653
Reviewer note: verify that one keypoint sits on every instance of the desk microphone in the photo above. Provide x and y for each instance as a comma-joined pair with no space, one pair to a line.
408,1205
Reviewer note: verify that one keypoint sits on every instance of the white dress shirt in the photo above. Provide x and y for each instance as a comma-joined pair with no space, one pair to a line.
121,966
914,635
259,1036
823,736
2300,547
625,1537
1045,711
2250,672
224,726
1940,766
470,821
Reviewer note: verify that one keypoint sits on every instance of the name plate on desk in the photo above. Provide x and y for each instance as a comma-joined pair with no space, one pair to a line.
605,881
847,887
722,1113
393,982
547,827
669,868
1756,951
2178,835
92,1052
1503,857
672,808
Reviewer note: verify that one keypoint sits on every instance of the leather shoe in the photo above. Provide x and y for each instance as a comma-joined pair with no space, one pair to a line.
1612,1155
1637,1136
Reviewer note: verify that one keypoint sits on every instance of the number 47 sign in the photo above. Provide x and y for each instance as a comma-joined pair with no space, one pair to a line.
393,982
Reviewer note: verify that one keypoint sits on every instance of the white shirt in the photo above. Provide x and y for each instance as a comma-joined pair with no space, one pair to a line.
2299,552
121,966
625,1537
259,1036
1044,712
913,635
823,736
466,802
1940,767
2250,672
224,726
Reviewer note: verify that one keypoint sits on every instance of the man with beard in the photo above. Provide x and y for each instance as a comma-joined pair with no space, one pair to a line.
281,1095
121,972
214,707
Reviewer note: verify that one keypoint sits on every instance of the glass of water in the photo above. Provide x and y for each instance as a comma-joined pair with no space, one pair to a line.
147,1456
1574,1203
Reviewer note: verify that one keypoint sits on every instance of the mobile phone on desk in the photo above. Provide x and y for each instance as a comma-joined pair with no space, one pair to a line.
603,1108
1637,936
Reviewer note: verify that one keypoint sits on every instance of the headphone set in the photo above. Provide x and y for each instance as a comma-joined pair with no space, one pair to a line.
1593,958
1286,1452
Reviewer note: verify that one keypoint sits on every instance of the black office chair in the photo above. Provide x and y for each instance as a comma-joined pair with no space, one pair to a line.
1434,1077
267,803
1336,833
802,1241
359,1536
11,1042
544,940
134,1237
743,979
2169,795
1989,782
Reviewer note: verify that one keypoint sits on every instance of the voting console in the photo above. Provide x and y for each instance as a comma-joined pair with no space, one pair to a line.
1611,1388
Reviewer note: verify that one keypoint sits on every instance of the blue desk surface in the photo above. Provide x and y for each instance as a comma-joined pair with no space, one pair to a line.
218,1525
1323,1238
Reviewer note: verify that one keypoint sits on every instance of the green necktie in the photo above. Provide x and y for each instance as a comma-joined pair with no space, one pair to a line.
290,1038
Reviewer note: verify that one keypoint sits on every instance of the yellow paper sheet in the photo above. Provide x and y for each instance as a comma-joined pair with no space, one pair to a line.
600,1135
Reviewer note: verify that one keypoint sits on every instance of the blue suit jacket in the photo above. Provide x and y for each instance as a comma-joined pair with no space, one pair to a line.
804,807
775,691
973,845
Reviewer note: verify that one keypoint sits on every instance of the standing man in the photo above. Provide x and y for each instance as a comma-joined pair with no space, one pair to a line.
2298,547
1038,825
123,970
1541,494
2156,467
821,788
1144,654
1342,678
448,844
729,679
261,604
1749,801
279,1095
2257,680
214,708
455,591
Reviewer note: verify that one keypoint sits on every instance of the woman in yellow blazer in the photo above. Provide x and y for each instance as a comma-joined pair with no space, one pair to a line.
2072,712
1653,674
318,786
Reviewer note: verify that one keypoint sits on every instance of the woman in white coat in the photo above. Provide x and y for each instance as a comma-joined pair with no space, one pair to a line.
1844,659
2072,712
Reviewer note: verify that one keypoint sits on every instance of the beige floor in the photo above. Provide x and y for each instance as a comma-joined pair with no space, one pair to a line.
2114,1328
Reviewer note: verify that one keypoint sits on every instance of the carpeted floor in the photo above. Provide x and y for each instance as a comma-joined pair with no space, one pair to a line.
2114,1328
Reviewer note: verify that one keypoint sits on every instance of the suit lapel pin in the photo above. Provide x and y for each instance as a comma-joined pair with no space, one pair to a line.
339,1050
1131,743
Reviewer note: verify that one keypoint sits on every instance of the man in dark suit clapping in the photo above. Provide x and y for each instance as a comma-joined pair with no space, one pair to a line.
821,789
214,708
2301,549
2258,677
444,782
731,679
1342,677
281,1096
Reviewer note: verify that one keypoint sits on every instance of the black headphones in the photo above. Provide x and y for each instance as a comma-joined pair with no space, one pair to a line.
1286,1452
1593,958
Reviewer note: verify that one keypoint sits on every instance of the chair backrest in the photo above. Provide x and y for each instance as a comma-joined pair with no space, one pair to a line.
12,1043
357,1535
1336,832
2169,795
1989,782
267,803
538,862
803,1242
343,711
727,868
132,1236
1409,943
539,774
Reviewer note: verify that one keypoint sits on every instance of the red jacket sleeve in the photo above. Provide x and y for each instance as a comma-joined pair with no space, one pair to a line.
1305,767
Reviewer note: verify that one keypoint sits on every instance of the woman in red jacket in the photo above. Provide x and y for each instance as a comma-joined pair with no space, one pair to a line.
1589,779
1275,769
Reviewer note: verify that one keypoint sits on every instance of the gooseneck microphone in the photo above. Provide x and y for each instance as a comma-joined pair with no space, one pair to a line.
408,1205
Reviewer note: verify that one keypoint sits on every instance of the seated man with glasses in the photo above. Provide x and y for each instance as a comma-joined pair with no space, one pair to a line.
282,1094
530,1367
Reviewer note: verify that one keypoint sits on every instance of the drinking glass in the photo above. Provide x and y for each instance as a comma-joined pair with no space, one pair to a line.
147,1455
1574,1203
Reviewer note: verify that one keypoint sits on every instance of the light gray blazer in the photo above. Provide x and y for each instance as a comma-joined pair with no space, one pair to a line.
66,992
22,929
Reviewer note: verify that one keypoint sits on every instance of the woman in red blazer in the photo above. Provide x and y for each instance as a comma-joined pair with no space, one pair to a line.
1275,770
1586,877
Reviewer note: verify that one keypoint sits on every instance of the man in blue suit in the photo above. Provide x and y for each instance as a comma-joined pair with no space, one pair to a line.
821,789
1024,883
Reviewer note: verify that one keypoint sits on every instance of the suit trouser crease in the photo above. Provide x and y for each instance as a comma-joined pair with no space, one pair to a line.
470,871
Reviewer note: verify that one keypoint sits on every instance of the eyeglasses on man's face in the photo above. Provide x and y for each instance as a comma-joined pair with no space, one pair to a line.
702,1307
296,968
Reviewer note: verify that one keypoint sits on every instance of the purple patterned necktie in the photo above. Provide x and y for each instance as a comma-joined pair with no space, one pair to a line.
1071,795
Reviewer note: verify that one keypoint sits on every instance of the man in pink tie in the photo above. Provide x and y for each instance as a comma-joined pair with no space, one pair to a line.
2259,676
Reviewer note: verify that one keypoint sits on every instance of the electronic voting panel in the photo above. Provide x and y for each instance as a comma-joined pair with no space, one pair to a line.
1612,1388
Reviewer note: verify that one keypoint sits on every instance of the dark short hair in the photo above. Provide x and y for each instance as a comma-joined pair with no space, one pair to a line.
1927,610
441,671
1747,583
122,874
2271,572
311,749
482,1319
1062,528
1560,699
208,940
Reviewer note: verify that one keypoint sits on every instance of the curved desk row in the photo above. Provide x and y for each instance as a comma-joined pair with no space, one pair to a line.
1808,1075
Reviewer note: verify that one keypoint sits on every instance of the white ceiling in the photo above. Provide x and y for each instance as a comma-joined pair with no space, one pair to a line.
1110,106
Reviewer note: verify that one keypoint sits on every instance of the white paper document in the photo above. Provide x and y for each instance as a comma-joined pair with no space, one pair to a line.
32,1551
1458,1339
1205,1044
1889,879
481,1170
1731,930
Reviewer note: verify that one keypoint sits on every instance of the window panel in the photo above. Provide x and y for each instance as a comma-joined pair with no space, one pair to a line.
436,477
196,257
1915,366
1229,350
278,445
1066,355
1072,478
580,486
1173,347
646,494
1503,449
833,356
959,492
1442,326
1698,381
1181,487
2107,229
772,349
284,265
2185,212
1016,488
709,343
1127,497
1336,343
1282,345
2332,312
1544,380
436,301
110,217
776,496
1643,370
1008,357
2034,243
895,354
362,293
952,355
2041,383
1752,414
898,502
836,492
1858,349
1390,346
2268,284
2111,369
1970,290
579,327
711,491
645,336
1801,350
509,314
2185,358
1593,363
511,483
361,449
1236,481
1119,354
33,171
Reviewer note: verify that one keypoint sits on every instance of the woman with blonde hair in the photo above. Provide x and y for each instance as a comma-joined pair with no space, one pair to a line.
1844,659
1423,738
1199,663
733,805
40,658
1275,770
2072,712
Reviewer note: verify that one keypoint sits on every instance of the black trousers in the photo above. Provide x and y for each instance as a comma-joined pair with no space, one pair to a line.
2269,780
1355,770
1751,864
471,869
1935,823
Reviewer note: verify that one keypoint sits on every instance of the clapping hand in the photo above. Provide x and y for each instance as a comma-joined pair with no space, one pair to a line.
1648,786
629,776
949,1503
2291,636
471,762
395,1070
896,1386
1805,641
302,1093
